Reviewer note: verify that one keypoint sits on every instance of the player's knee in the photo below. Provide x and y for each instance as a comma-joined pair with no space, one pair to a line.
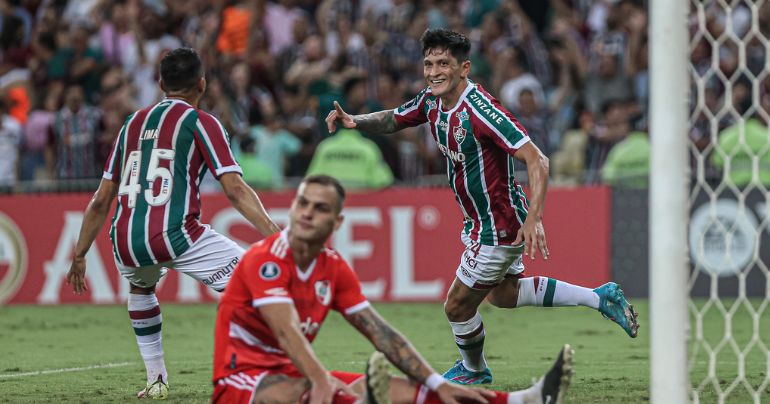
457,311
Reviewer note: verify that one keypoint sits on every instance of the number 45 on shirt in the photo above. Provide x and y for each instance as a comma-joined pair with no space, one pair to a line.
129,180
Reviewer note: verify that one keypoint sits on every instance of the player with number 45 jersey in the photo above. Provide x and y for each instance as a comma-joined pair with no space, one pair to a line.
155,168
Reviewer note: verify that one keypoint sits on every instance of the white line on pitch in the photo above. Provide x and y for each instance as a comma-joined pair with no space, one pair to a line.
50,371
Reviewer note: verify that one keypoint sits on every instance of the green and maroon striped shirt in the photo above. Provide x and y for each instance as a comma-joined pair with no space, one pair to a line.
159,159
478,137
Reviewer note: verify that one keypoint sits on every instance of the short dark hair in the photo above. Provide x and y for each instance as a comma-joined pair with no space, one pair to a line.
181,69
328,180
441,38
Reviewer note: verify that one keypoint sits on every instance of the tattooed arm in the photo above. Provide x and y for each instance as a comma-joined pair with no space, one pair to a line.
389,341
376,122
405,357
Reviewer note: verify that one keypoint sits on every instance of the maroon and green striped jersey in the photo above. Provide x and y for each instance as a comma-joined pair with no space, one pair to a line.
478,137
159,159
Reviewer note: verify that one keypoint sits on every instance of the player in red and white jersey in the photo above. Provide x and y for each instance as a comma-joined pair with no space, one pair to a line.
277,300
154,169
480,139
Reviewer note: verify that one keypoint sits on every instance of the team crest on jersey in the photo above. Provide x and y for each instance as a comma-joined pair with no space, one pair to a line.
269,271
431,104
459,132
323,292
462,116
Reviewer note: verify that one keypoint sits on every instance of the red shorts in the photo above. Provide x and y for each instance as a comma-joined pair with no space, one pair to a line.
239,387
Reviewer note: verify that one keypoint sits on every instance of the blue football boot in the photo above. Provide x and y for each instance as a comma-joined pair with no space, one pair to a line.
459,374
614,306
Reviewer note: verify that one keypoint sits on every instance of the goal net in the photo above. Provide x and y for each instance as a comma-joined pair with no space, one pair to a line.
729,228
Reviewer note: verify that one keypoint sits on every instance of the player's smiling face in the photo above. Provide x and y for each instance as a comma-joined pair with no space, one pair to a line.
314,213
444,73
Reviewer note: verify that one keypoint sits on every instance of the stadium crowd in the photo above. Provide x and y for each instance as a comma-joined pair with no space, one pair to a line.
574,72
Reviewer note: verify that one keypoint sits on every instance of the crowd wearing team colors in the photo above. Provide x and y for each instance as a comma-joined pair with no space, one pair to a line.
574,73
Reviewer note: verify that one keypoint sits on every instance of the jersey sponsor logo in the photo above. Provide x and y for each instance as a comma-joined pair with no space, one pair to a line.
323,292
459,133
453,155
13,258
489,110
269,271
431,104
277,292
222,273
470,261
443,125
462,116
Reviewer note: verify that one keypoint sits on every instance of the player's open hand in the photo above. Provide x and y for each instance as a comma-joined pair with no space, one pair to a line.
77,275
532,234
337,114
454,394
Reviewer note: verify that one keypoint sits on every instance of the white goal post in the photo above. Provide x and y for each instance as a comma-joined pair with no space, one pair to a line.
669,203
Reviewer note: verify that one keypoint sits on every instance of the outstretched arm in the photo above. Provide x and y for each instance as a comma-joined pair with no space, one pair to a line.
93,220
375,122
401,353
246,201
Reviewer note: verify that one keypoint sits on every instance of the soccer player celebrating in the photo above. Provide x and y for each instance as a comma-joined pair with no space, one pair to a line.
479,139
277,300
154,169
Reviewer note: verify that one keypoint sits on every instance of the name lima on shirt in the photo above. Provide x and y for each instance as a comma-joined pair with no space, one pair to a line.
150,134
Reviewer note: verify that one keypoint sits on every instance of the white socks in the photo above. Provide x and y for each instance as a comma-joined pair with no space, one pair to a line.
147,321
548,292
531,395
469,337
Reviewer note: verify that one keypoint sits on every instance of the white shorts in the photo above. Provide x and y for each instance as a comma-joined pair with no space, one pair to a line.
485,266
209,260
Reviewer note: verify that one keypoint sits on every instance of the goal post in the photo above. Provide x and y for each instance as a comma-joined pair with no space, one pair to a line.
669,203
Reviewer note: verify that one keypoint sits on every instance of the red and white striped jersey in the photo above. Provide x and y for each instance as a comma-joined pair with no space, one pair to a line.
478,137
159,159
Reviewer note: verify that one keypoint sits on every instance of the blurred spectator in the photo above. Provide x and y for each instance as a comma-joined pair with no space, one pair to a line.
517,79
152,41
237,22
72,144
608,82
628,163
568,163
356,101
532,115
353,159
274,145
10,139
36,135
279,20
611,128
255,172
14,17
75,62
117,31
742,144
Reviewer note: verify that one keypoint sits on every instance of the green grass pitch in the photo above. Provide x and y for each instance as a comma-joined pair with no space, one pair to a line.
87,354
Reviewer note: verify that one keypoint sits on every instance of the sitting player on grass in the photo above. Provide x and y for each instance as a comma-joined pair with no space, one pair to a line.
277,300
